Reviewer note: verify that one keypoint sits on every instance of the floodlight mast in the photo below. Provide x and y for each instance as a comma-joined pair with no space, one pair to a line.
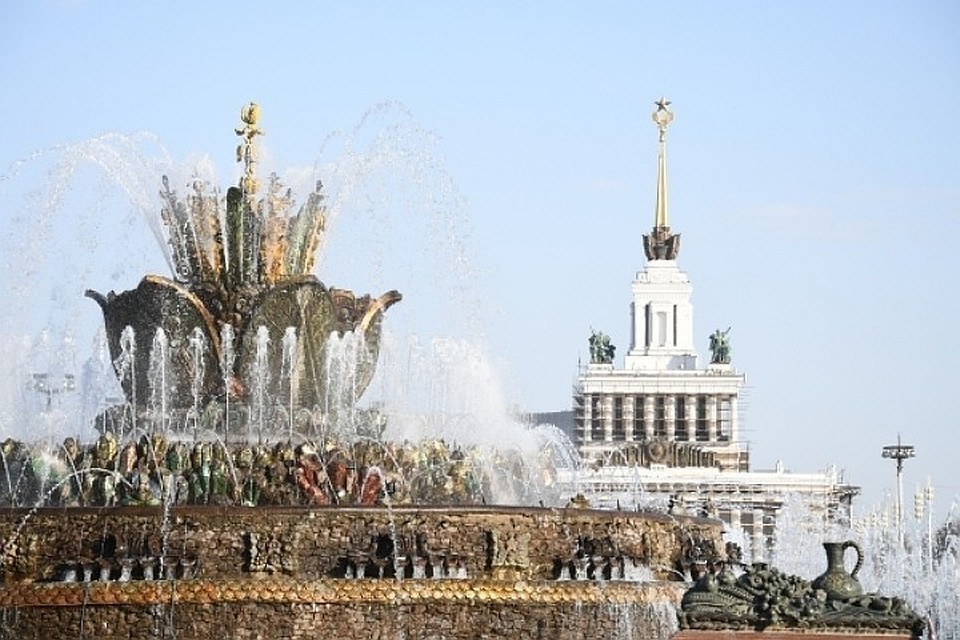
899,452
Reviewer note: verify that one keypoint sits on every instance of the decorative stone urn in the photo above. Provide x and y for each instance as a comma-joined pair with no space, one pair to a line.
839,584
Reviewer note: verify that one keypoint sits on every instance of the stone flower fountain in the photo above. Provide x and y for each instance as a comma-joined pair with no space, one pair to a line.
241,263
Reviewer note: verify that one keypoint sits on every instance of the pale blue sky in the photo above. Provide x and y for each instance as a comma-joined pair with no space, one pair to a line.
813,173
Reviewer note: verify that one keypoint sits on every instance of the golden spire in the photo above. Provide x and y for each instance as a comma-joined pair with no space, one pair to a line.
662,117
247,150
661,244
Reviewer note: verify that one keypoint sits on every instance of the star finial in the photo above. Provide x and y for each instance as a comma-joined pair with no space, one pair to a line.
663,116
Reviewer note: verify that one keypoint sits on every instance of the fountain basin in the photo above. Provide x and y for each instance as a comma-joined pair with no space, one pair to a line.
288,572
382,609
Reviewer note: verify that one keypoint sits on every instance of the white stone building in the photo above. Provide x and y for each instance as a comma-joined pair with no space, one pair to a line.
664,429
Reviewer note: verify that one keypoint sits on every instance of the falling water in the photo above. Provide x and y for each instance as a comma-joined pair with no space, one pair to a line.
99,380
261,380
198,354
344,356
58,204
126,371
450,389
160,384
903,567
227,361
288,366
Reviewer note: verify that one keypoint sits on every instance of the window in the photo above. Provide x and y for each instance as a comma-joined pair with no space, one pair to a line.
596,419
646,325
659,417
680,424
724,420
703,434
638,431
619,433
674,325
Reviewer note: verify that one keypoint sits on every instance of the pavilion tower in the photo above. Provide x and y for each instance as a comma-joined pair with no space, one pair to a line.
662,429
660,409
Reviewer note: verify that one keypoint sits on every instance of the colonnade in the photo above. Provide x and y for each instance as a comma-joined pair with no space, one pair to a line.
618,417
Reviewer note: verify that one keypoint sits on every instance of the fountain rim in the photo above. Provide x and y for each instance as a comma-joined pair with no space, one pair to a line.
313,510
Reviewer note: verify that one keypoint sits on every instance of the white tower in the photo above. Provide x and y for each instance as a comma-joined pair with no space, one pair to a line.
660,409
662,329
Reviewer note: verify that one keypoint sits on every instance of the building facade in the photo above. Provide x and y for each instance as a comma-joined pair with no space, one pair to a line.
663,428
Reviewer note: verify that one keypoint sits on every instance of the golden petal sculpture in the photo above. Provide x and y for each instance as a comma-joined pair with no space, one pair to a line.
243,261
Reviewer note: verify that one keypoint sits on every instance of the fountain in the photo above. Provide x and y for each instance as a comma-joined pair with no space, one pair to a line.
239,489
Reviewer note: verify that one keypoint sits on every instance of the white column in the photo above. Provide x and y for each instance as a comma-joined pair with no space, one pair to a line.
734,418
585,426
691,418
670,416
711,418
628,408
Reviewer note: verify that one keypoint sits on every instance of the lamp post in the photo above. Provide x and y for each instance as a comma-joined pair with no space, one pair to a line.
899,452
52,386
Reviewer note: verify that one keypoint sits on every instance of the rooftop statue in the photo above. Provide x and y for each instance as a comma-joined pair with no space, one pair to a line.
720,347
601,350
240,263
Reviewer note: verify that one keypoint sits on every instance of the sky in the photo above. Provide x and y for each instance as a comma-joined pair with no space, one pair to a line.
813,175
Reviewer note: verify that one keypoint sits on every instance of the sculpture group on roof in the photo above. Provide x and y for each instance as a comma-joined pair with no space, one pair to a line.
601,349
720,347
